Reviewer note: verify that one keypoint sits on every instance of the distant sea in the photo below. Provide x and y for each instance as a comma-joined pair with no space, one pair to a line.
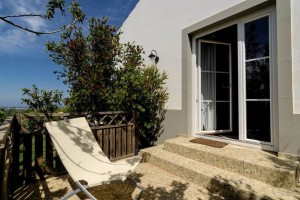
17,107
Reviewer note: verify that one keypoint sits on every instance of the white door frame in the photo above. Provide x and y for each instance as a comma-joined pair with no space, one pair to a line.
199,70
273,145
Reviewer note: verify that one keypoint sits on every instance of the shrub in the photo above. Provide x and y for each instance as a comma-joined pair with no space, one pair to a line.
3,115
5,112
143,91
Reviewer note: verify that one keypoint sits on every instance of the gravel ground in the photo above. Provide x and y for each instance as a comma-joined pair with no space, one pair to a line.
157,183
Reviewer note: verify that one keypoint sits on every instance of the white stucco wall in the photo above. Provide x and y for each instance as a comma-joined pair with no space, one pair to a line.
158,24
295,6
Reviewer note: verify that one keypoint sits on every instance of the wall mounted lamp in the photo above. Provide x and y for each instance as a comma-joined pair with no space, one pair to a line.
153,57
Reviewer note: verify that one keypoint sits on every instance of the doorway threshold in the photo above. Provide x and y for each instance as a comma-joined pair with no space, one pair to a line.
223,138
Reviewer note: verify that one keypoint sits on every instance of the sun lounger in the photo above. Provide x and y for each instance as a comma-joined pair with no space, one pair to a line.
83,158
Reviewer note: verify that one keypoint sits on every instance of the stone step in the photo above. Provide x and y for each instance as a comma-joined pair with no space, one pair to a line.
218,181
253,163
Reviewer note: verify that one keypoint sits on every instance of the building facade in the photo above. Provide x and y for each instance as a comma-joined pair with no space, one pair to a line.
233,66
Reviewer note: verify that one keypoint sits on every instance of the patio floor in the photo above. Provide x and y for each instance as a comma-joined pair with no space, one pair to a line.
233,171
158,184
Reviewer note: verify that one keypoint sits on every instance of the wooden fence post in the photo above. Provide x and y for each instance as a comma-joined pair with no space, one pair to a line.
112,138
49,155
5,157
15,180
27,138
38,161
134,136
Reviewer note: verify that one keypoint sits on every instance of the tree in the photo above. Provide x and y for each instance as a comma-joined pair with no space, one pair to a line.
41,100
105,75
88,64
52,6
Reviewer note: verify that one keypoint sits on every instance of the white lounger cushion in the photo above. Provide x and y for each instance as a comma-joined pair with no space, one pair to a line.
82,156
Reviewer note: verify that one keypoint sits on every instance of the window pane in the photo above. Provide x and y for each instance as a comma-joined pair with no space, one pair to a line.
258,121
257,38
222,87
222,54
208,57
258,79
208,86
223,115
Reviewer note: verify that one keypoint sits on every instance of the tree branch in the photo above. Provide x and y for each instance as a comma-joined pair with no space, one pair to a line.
33,31
25,15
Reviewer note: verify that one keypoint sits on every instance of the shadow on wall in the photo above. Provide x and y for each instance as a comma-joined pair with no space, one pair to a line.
174,124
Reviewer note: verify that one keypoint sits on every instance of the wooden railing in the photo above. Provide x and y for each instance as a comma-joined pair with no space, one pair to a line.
5,156
31,156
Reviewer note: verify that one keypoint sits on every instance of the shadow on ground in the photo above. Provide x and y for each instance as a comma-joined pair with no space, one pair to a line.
42,190
230,189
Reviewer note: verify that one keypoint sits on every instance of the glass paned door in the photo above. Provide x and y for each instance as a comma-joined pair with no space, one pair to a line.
215,86
257,72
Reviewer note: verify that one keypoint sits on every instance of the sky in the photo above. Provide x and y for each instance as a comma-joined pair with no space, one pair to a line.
23,57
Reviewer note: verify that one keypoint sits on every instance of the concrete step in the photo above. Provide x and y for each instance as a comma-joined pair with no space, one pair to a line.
253,163
216,180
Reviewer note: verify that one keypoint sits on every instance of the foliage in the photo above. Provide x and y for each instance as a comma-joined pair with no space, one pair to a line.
74,9
52,5
3,115
40,101
127,79
5,112
152,99
88,64
142,90
105,75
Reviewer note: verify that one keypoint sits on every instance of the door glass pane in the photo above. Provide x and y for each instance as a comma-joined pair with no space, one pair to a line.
257,38
258,79
207,116
222,53
223,115
222,87
258,121
208,61
208,85
215,116
215,87
258,125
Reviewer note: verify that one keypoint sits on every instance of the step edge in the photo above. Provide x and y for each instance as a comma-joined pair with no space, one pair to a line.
166,143
267,186
158,152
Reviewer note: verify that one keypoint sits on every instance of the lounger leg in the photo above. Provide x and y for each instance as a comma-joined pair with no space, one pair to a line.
138,186
68,195
82,188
